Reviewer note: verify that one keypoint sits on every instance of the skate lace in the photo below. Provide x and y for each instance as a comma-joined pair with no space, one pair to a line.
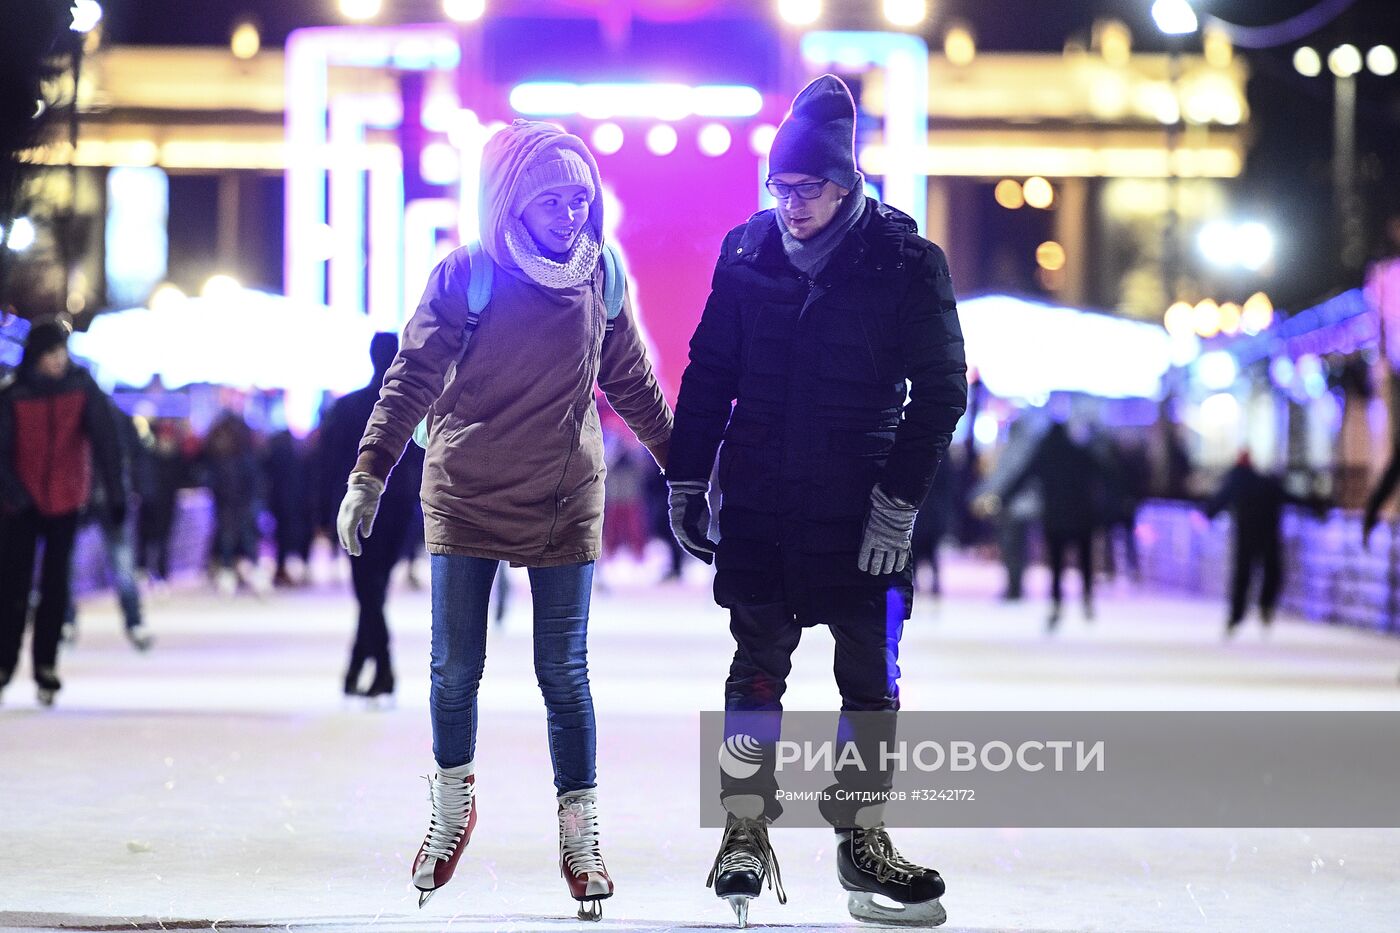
745,847
578,835
452,807
875,850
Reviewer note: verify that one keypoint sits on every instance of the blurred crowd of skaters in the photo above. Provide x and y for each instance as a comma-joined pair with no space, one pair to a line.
1059,493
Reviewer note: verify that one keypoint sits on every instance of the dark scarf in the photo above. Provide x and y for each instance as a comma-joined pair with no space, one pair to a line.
810,256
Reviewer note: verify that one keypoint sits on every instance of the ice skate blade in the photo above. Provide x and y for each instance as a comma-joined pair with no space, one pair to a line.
46,697
740,903
591,911
865,908
423,897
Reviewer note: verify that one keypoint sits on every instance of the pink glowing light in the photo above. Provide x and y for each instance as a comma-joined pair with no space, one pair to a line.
669,102
312,159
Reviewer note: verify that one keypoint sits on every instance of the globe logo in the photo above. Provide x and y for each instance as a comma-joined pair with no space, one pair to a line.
739,756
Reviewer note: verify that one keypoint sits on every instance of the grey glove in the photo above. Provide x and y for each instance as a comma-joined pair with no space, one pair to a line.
889,531
690,517
357,510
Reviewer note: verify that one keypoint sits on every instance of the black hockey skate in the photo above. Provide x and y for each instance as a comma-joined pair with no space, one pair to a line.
744,862
47,682
868,865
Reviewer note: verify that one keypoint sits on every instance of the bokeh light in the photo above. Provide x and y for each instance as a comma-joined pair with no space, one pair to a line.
607,138
1050,256
959,45
714,139
1381,61
1010,195
245,41
360,10
905,12
800,12
1039,193
662,139
1307,62
761,139
463,11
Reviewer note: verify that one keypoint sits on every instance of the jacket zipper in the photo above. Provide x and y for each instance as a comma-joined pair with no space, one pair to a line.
589,378
49,471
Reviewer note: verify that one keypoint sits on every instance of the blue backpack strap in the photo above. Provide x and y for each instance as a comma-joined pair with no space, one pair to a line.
614,283
482,273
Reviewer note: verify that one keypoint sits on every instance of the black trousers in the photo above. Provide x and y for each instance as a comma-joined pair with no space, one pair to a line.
1266,557
1013,541
1056,544
20,533
866,669
154,523
369,574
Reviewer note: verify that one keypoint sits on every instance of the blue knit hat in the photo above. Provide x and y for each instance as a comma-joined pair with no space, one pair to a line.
818,137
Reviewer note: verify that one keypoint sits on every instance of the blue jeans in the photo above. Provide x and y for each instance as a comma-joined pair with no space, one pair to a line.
461,588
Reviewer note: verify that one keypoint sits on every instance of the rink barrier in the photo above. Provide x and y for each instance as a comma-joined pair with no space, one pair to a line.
1328,576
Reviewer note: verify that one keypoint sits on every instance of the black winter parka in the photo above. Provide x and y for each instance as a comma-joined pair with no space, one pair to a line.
806,383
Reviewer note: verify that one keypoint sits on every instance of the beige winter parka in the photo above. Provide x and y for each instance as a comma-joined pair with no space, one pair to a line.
514,467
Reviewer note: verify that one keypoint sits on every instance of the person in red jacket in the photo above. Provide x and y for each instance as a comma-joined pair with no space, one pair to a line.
54,429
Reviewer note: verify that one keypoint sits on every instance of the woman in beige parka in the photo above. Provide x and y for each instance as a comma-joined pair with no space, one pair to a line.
514,470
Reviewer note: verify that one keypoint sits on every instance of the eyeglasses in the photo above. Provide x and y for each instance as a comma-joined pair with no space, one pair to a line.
806,191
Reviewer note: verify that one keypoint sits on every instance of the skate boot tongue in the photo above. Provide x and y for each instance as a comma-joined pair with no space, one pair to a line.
580,857
874,846
869,866
578,834
744,860
453,795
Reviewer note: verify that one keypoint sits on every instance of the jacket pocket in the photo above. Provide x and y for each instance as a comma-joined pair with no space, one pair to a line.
748,465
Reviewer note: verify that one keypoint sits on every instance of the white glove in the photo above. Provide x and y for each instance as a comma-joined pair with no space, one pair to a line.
357,510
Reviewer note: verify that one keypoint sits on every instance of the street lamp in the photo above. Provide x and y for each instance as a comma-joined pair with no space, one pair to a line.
1248,245
1381,61
360,10
245,41
1307,62
906,12
20,236
86,15
1174,17
464,11
1345,62
800,12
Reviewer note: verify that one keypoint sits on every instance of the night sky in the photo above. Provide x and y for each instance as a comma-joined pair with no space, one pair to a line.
1287,178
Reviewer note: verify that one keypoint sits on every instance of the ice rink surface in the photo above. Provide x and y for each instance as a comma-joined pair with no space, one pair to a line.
220,782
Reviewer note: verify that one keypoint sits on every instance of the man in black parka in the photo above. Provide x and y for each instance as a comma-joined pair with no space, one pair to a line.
829,360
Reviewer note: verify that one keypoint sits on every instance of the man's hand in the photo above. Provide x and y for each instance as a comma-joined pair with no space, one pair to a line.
690,517
357,510
889,531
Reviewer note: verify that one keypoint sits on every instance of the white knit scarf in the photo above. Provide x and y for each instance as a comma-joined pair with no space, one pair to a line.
578,268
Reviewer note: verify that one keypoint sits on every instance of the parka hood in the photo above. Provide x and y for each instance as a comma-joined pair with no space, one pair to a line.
504,161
